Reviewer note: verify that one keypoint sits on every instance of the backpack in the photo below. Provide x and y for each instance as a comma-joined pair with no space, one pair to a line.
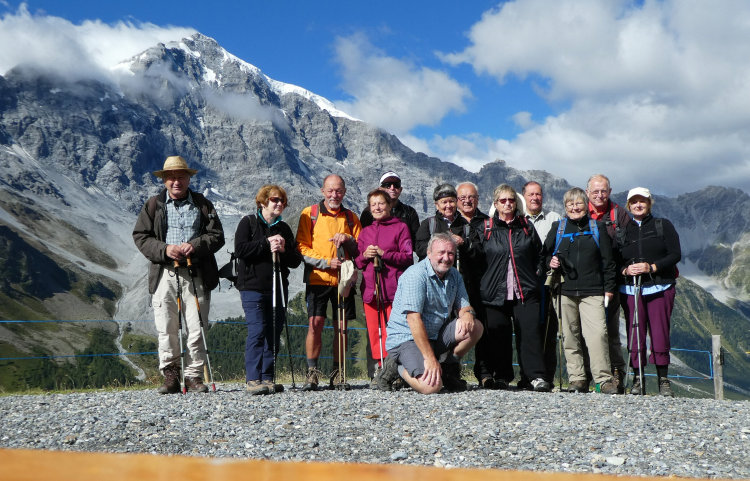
593,232
230,270
432,221
315,211
658,225
151,206
488,227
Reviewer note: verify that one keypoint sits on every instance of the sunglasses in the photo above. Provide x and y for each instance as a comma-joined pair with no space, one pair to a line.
388,185
276,200
505,201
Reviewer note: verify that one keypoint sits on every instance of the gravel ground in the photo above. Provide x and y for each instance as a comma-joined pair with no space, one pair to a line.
626,435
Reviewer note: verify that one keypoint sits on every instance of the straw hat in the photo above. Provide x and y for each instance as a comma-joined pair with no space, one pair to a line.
174,162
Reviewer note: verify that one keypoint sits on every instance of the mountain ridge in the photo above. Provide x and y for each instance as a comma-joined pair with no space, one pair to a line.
83,151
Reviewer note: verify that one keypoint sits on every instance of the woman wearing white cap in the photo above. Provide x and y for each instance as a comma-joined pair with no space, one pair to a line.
649,250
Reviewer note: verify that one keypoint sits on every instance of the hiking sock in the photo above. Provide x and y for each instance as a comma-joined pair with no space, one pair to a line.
312,363
661,371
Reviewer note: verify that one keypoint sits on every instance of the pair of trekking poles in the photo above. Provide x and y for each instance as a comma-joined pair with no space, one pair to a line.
181,317
634,329
277,283
342,325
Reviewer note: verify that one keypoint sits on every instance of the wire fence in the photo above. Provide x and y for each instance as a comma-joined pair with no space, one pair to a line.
701,376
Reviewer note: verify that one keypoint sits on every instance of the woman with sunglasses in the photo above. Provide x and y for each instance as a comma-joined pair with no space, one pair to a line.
261,238
386,242
582,250
510,289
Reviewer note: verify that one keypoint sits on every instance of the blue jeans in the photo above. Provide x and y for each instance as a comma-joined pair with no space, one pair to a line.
259,352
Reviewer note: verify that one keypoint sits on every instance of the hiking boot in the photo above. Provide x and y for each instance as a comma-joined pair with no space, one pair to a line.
375,376
501,384
618,377
312,379
195,384
487,383
636,389
272,388
398,384
524,384
607,387
665,387
256,388
452,377
338,382
578,386
171,380
386,376
540,385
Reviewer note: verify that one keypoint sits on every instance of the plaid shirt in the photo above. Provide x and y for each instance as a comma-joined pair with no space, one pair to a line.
183,220
421,290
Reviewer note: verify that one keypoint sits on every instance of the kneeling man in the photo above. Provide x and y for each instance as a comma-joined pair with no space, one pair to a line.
425,341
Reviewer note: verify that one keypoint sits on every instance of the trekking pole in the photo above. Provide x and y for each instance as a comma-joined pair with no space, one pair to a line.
560,337
342,343
286,324
554,282
636,324
200,321
276,284
180,316
378,263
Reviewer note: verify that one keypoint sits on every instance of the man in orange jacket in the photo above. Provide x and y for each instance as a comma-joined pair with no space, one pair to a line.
324,228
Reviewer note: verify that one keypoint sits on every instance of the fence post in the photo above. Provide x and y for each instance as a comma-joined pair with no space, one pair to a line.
718,362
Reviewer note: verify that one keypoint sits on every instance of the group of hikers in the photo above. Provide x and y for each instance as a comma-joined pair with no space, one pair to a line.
480,279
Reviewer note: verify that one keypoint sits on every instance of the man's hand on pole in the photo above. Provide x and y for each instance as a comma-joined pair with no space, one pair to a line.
339,239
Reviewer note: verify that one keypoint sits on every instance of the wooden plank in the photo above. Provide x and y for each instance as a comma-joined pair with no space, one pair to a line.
30,465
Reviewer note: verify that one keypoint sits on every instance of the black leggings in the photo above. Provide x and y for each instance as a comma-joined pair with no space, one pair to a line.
494,352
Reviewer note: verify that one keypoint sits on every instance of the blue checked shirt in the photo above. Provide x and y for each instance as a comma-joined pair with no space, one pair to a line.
421,290
183,220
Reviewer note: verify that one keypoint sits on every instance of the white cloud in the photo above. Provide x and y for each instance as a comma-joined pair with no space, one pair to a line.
87,50
392,93
659,94
523,120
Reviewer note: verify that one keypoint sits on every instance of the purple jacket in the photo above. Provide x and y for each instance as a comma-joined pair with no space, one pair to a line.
394,238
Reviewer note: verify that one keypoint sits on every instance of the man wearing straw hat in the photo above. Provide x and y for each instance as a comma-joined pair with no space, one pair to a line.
175,225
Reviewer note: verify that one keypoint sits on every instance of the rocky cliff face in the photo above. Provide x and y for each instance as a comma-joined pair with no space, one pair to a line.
83,152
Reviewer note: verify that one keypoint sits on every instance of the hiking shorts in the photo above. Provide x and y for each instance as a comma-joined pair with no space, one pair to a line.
408,354
317,299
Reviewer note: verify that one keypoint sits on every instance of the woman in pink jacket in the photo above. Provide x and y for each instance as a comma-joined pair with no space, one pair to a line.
386,242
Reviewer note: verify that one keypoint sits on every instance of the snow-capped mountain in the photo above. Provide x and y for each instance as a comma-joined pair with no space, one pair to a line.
76,163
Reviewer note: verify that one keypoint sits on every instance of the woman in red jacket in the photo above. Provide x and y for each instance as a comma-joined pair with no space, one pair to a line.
387,242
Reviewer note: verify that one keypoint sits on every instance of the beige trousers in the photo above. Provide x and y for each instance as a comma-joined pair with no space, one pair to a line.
583,319
164,302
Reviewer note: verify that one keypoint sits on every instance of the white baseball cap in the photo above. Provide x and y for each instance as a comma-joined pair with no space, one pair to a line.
389,175
642,191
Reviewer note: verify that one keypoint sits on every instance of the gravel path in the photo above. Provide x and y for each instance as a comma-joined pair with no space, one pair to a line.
626,435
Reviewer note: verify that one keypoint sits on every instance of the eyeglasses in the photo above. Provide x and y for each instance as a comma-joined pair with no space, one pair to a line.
575,204
388,185
464,198
276,200
506,201
598,192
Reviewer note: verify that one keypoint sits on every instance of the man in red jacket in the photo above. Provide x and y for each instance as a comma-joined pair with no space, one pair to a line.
615,218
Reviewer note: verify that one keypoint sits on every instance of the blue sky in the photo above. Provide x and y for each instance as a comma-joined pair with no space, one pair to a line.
653,93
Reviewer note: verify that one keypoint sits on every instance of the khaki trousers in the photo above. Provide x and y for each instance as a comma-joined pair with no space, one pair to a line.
164,302
583,319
